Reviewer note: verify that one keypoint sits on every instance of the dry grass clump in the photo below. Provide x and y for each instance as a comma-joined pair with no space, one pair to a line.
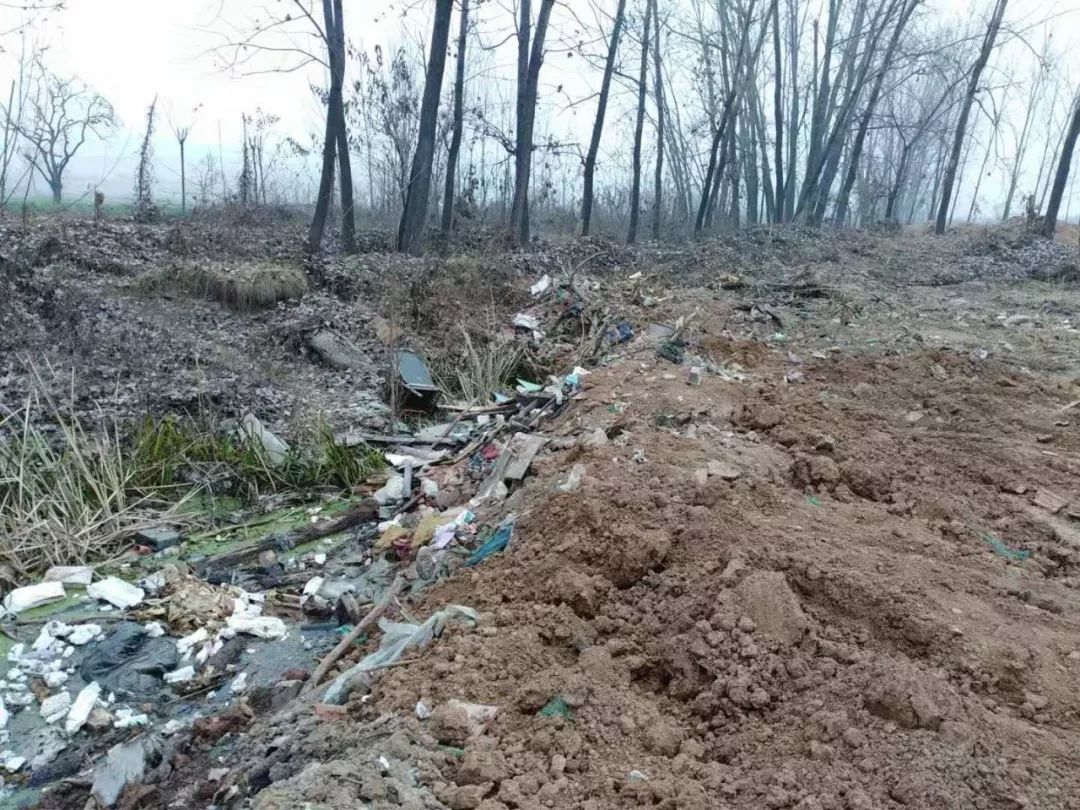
243,286
65,496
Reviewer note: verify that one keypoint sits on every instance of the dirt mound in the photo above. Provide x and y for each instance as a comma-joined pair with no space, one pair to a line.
805,642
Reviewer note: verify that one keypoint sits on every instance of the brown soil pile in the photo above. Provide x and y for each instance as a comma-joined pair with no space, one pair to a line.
791,600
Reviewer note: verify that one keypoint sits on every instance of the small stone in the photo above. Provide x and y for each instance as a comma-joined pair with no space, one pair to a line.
1040,702
746,624
721,469
911,417
480,767
701,477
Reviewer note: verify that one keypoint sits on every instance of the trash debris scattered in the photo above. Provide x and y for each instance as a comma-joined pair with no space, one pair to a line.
81,708
125,764
1002,550
499,540
129,661
573,481
32,596
275,450
415,374
159,539
397,638
540,287
269,627
116,592
557,707
70,574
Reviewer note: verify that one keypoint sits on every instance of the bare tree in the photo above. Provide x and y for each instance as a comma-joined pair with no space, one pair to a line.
639,128
1041,72
291,40
743,63
181,131
459,121
598,122
658,81
530,58
63,114
413,218
965,111
844,197
778,114
1061,176
144,172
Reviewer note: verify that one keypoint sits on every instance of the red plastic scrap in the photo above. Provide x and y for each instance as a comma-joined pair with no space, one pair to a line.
490,453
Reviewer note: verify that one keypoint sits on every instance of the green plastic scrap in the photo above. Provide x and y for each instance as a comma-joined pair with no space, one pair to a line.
1002,550
813,500
556,707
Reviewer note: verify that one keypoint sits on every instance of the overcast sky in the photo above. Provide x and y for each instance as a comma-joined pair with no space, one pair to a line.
130,50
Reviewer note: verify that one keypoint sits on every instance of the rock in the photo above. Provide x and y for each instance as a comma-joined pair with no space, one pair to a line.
597,664
454,722
757,416
773,606
463,797
99,720
481,767
701,477
866,482
721,469
664,738
823,470
901,693
575,589
1040,702
858,799
284,692
1050,501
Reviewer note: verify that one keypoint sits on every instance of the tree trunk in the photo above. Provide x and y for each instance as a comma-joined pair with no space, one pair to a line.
717,155
639,129
519,211
326,177
414,216
994,124
658,179
459,123
793,116
335,29
897,185
844,198
965,112
183,182
1022,143
598,123
56,185
777,208
1061,177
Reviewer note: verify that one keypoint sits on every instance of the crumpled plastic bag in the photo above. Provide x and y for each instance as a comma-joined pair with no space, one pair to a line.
397,638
